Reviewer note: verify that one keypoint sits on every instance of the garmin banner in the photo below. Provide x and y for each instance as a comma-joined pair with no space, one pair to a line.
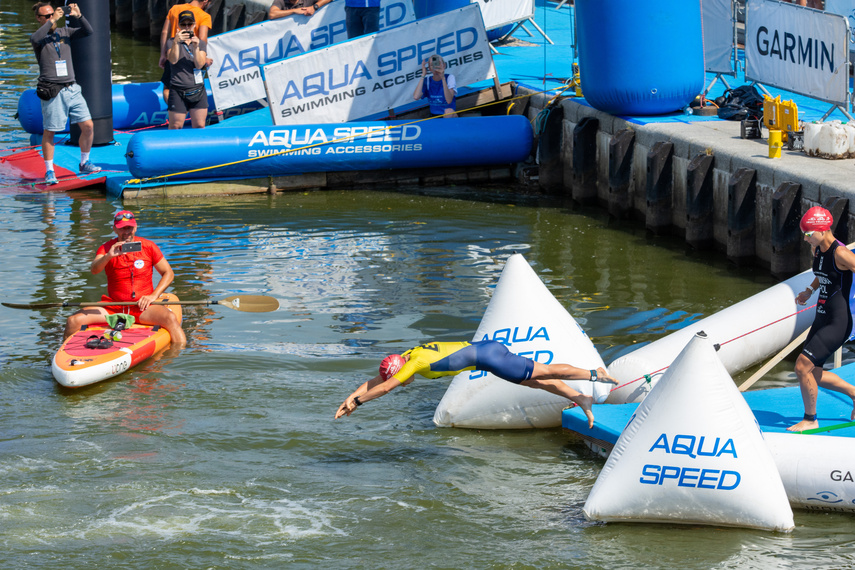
372,74
498,13
798,49
717,19
238,55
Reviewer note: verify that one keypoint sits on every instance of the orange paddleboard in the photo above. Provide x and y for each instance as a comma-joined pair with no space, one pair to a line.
75,365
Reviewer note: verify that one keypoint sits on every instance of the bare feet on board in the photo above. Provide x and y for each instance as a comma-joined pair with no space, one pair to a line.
804,425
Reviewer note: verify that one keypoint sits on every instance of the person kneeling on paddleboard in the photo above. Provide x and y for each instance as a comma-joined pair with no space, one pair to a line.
438,359
128,261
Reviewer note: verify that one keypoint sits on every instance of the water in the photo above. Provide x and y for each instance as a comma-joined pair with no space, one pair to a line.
225,454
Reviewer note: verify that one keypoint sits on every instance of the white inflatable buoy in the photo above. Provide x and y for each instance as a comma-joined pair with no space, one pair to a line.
816,470
530,321
748,332
692,453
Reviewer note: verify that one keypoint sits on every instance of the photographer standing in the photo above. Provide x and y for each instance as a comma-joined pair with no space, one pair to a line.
439,87
61,96
187,59
170,27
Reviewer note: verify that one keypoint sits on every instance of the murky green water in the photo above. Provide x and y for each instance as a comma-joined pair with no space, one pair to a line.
225,455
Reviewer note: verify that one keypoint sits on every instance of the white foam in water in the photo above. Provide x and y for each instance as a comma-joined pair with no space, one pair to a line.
526,317
692,453
227,512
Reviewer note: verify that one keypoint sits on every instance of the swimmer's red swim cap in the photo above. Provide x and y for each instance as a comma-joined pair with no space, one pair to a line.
390,365
817,219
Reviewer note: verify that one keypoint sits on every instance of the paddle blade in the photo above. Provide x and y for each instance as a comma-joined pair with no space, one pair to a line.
33,305
251,303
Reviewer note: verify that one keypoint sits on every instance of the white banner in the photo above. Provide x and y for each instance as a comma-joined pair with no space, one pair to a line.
717,18
238,55
798,49
498,13
845,8
372,74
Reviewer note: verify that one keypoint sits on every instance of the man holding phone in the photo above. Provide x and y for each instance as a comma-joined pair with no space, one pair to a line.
187,59
129,261
61,96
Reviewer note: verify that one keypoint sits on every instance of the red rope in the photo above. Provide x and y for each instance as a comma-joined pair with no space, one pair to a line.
767,325
648,376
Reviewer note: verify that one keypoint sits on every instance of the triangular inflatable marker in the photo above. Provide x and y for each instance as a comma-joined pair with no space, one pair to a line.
526,317
692,453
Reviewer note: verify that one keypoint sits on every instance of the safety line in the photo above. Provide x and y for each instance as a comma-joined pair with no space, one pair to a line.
649,376
766,325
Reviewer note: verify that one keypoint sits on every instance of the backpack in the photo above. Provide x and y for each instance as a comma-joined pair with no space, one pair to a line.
743,102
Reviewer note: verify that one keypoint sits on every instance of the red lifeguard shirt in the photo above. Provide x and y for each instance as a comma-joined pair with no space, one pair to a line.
131,273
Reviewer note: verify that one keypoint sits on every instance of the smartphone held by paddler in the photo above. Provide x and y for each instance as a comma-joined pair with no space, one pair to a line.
131,246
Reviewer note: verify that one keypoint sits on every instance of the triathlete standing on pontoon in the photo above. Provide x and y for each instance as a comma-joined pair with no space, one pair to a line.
437,359
833,265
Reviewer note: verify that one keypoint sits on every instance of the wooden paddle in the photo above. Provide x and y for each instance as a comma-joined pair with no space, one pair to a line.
244,303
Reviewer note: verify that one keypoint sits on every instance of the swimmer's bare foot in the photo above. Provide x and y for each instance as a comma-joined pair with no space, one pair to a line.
804,425
585,402
852,417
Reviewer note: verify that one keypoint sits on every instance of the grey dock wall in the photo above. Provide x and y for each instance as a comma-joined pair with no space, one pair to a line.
700,180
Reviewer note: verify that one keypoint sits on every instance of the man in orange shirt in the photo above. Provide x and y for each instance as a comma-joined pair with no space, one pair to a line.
129,278
170,26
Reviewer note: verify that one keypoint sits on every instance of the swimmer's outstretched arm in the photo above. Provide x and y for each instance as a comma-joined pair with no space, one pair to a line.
374,388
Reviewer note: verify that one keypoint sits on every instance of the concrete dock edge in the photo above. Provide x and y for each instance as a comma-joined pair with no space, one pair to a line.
626,179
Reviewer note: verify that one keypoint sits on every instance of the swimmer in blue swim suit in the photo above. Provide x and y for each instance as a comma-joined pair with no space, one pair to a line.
437,359
833,265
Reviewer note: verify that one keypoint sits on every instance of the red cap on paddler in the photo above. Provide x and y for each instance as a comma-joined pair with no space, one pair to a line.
124,219
817,219
390,365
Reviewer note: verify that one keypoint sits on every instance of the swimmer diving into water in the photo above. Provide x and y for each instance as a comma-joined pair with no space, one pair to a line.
437,359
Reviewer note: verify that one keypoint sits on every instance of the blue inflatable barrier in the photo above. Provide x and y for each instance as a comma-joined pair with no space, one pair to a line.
250,152
640,58
135,105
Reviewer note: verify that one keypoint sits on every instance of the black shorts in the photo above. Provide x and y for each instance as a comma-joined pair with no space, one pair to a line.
829,330
184,100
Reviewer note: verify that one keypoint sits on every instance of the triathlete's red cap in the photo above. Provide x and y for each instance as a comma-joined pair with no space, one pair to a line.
390,365
817,219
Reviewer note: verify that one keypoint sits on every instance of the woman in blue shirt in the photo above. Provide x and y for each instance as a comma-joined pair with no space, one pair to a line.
439,87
